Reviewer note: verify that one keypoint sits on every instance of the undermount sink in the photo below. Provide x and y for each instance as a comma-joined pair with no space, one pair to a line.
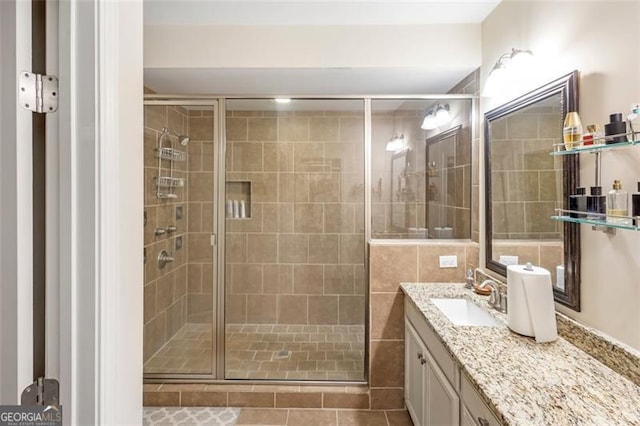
465,312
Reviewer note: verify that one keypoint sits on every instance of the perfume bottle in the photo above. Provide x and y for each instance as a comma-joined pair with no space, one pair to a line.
596,204
618,205
635,206
589,138
572,130
578,203
616,127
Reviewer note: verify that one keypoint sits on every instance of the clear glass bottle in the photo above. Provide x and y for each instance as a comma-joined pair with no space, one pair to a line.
618,205
572,130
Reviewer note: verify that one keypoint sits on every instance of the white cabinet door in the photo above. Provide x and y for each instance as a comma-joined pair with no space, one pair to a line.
466,418
443,403
414,374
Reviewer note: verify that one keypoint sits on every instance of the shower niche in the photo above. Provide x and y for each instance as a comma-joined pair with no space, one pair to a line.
238,202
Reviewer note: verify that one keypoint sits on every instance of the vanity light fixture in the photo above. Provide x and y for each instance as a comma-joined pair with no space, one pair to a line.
282,100
516,61
436,117
396,143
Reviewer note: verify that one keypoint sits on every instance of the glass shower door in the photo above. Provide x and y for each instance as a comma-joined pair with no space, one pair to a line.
179,291
294,240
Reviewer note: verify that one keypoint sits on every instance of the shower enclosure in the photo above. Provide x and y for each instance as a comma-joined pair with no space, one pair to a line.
256,222
254,239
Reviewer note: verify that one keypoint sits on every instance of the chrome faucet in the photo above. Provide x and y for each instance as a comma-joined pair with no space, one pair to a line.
497,299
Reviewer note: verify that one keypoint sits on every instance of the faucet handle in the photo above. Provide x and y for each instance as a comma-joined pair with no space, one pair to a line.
503,302
494,298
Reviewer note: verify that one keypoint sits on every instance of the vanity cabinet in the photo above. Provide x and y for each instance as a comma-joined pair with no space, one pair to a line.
430,398
435,392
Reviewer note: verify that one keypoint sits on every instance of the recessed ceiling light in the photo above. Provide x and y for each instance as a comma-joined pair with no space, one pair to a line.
282,100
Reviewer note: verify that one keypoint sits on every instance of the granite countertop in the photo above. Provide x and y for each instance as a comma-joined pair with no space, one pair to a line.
526,383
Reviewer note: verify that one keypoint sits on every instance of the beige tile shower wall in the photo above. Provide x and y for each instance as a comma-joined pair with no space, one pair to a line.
200,128
165,289
389,265
299,258
526,181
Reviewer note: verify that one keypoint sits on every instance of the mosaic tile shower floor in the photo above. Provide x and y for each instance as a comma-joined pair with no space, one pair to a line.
265,351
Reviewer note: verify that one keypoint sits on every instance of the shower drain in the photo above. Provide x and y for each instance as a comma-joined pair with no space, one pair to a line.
283,355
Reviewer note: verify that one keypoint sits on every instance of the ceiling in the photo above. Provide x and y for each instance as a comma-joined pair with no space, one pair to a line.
310,81
315,12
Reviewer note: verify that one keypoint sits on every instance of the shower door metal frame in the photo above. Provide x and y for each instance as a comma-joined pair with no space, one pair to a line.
218,304
219,222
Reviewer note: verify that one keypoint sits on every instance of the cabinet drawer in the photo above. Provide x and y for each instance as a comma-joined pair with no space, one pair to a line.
435,347
480,413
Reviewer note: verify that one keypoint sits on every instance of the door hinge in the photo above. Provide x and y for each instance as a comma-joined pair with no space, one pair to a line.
37,92
214,240
41,392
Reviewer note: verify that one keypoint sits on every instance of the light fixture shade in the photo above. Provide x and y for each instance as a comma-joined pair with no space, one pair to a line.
521,59
517,63
396,143
496,81
429,122
442,115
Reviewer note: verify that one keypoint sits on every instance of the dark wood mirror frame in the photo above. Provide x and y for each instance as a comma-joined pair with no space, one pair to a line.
567,87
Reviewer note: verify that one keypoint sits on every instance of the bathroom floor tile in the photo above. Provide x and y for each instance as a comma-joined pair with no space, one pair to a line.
197,416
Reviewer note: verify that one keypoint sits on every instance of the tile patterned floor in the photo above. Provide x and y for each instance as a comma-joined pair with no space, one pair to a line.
188,351
268,416
294,352
169,416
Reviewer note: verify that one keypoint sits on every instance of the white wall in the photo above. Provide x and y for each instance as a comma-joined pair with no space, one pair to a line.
392,46
602,41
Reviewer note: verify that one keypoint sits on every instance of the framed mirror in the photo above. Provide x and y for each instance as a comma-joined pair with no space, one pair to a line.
524,184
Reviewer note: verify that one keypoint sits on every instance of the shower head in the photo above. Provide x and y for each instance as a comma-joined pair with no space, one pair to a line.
183,139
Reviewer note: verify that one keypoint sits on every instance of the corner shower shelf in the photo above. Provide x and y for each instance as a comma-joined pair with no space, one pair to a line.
169,182
558,149
597,224
171,154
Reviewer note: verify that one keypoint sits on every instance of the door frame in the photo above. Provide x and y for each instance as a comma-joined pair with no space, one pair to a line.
16,209
94,270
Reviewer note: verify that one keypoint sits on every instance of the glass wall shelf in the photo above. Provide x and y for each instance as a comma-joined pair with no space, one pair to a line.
564,216
558,149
